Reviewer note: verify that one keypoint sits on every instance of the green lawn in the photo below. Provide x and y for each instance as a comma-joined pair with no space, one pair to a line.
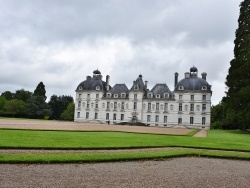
185,145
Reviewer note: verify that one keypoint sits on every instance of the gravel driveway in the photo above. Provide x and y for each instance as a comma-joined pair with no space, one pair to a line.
178,172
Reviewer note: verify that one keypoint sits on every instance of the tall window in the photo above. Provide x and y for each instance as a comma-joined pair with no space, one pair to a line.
87,115
149,106
203,120
165,119
96,105
179,120
80,95
88,96
135,96
180,97
203,107
192,97
180,107
203,97
96,115
115,105
122,106
79,104
87,104
108,105
122,117
97,96
78,114
157,106
157,118
191,107
148,118
114,116
107,116
191,120
166,107
135,105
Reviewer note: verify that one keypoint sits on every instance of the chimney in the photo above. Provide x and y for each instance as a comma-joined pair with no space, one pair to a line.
107,82
88,78
204,75
146,85
176,78
186,74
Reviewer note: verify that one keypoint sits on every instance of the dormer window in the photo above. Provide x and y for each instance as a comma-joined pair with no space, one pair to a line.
158,96
204,88
136,87
123,95
181,88
80,88
166,95
149,95
108,94
115,95
97,88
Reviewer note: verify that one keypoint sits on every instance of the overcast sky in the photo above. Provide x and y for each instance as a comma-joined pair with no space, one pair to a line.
60,42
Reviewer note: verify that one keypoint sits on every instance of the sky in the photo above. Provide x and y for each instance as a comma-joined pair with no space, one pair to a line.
60,42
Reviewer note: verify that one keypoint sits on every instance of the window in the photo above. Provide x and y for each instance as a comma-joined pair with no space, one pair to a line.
87,115
157,106
114,116
80,88
204,88
165,119
80,95
180,97
97,96
166,95
96,115
191,107
181,88
87,104
203,120
203,97
108,94
192,97
97,88
122,117
157,118
88,96
115,105
123,95
79,104
149,106
180,107
149,95
116,96
107,116
191,120
148,118
158,96
108,105
203,107
166,107
179,120
135,105
78,114
122,106
96,105
135,96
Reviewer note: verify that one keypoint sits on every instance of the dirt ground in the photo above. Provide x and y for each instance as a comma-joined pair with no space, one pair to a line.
62,125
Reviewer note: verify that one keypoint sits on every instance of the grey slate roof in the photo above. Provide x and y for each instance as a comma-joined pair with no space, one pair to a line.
161,89
140,83
92,83
119,89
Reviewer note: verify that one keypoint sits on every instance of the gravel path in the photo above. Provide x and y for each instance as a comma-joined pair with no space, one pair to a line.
62,125
178,172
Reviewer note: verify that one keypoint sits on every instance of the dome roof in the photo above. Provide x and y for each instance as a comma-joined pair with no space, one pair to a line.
97,72
193,83
193,69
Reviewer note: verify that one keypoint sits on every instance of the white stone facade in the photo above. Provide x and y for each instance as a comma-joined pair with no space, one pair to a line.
188,106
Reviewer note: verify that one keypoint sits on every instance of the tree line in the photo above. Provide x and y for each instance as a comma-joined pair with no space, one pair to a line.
25,104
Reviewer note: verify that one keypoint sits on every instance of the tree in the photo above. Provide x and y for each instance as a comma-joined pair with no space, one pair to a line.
7,95
217,116
14,107
59,104
22,95
68,114
2,103
37,108
237,101
40,90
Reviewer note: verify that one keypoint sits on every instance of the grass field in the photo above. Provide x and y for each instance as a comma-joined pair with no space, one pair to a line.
219,143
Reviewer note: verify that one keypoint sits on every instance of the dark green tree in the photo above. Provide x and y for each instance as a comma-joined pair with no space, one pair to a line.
7,95
237,101
58,104
40,90
14,108
22,95
68,114
37,108
2,103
